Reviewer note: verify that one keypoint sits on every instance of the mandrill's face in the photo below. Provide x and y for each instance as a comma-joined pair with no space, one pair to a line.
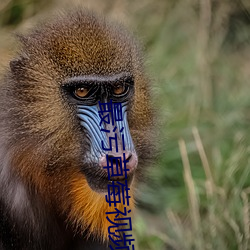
101,103
55,115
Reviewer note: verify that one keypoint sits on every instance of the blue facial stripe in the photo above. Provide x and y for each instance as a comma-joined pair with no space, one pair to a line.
124,124
90,120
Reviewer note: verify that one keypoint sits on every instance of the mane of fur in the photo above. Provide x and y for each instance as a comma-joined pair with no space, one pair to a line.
36,125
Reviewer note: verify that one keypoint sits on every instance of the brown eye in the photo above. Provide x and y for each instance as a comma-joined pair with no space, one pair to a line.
81,92
119,89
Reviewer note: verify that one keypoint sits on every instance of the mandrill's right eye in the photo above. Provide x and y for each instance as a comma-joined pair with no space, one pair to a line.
81,92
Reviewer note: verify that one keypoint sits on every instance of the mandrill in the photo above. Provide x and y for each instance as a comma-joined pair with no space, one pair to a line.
52,177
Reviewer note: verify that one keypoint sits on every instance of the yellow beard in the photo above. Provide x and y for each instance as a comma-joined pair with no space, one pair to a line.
89,209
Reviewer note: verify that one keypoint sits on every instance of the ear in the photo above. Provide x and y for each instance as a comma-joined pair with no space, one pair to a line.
18,63
15,64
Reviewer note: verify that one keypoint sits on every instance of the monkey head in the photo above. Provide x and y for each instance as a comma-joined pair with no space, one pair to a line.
52,137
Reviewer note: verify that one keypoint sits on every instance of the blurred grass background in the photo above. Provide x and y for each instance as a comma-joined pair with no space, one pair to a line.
198,54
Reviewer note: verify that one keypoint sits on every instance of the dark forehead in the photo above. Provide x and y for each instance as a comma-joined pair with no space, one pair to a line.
83,43
100,79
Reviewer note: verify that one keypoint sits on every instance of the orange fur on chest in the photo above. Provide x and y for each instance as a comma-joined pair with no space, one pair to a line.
88,209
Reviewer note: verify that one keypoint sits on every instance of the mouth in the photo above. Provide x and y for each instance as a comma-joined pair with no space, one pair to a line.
121,180
99,182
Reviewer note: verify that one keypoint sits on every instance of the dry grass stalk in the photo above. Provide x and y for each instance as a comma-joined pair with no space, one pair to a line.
192,197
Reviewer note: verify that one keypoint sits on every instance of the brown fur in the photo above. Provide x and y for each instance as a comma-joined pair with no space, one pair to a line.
40,135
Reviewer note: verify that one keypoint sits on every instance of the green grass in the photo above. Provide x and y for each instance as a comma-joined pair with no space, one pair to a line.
199,190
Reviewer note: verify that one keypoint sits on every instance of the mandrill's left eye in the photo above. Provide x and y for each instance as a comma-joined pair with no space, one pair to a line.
81,92
118,89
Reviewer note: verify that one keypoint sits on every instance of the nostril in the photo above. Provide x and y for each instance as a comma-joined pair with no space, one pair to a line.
112,159
119,165
129,157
